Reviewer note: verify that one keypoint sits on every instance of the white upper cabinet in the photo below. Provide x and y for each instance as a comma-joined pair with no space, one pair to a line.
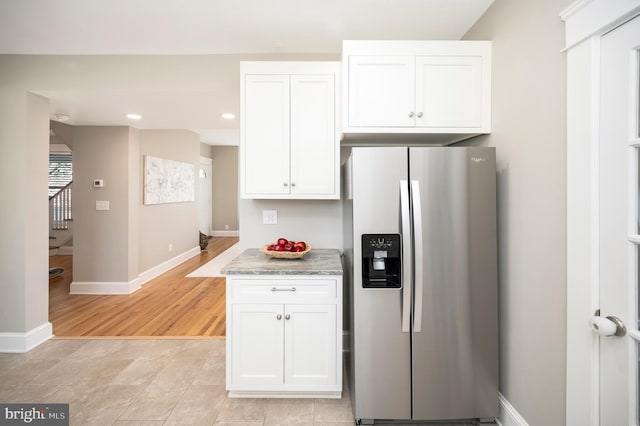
265,142
417,87
381,91
289,140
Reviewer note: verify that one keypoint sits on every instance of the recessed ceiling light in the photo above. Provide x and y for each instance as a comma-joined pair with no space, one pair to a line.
134,116
228,116
61,117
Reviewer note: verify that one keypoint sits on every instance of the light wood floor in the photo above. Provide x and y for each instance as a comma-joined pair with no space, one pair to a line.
169,305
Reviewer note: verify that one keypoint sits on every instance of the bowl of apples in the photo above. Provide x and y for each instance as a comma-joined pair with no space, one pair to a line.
286,249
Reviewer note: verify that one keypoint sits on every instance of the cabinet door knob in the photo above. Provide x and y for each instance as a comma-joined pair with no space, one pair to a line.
419,114
287,317
411,114
285,184
293,184
279,317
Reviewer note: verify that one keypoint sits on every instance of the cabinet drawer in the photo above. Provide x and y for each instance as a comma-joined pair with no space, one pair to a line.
278,289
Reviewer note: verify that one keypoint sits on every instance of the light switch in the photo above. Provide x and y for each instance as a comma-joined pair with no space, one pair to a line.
102,205
269,217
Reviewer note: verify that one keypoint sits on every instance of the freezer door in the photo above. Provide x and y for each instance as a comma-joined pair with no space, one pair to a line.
381,354
455,329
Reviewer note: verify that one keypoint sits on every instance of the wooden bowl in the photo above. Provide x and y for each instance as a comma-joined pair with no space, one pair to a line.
285,254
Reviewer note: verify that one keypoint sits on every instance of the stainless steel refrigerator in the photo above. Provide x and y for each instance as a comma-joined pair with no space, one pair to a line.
421,255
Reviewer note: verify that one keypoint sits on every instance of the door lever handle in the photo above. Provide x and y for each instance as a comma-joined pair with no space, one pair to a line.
609,326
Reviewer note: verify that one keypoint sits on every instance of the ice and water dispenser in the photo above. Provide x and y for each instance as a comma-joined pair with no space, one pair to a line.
381,261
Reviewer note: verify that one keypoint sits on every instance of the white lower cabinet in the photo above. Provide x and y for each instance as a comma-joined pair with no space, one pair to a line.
284,337
257,344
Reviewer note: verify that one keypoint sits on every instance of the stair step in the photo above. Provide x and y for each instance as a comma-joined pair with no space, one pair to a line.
53,247
52,238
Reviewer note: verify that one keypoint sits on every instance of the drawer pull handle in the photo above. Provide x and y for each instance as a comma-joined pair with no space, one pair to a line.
283,289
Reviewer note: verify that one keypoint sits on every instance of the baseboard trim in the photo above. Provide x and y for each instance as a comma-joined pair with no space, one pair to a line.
508,415
112,288
104,287
65,251
24,342
224,233
160,269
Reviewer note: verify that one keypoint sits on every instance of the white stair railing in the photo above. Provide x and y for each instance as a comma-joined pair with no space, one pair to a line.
60,208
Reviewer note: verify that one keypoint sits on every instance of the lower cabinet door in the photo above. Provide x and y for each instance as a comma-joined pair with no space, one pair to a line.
310,345
257,343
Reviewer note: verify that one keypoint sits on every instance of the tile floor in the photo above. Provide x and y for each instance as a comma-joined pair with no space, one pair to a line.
150,382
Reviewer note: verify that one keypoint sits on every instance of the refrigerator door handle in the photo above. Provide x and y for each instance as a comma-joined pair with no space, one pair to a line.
407,258
416,206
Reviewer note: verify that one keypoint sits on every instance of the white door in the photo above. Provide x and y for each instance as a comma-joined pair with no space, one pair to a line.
310,345
257,344
381,91
313,138
619,233
265,144
449,91
204,199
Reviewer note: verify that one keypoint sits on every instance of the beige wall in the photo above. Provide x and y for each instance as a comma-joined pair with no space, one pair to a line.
205,150
23,258
36,292
315,221
529,133
173,224
224,215
101,238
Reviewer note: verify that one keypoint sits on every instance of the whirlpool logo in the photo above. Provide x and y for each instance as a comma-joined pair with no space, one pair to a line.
478,159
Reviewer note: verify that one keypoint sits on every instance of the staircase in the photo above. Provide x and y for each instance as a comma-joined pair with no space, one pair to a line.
61,221
60,197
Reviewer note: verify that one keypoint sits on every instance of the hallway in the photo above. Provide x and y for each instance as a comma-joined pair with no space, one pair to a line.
170,305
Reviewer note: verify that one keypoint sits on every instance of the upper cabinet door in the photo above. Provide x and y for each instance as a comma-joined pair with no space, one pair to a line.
420,91
381,91
289,138
314,153
265,135
449,91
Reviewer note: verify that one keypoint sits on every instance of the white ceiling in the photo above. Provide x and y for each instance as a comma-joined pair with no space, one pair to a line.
81,27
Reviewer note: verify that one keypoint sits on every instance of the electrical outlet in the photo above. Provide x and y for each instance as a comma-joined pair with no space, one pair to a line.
102,205
170,247
226,227
269,217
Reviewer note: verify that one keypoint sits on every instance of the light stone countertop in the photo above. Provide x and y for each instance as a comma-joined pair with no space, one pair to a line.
316,262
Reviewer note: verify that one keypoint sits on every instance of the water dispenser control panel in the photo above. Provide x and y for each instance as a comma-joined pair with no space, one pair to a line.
381,261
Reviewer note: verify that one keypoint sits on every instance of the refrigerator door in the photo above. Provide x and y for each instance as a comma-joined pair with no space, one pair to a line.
455,333
381,353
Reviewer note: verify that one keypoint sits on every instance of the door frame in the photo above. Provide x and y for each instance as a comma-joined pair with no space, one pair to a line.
586,21
206,161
